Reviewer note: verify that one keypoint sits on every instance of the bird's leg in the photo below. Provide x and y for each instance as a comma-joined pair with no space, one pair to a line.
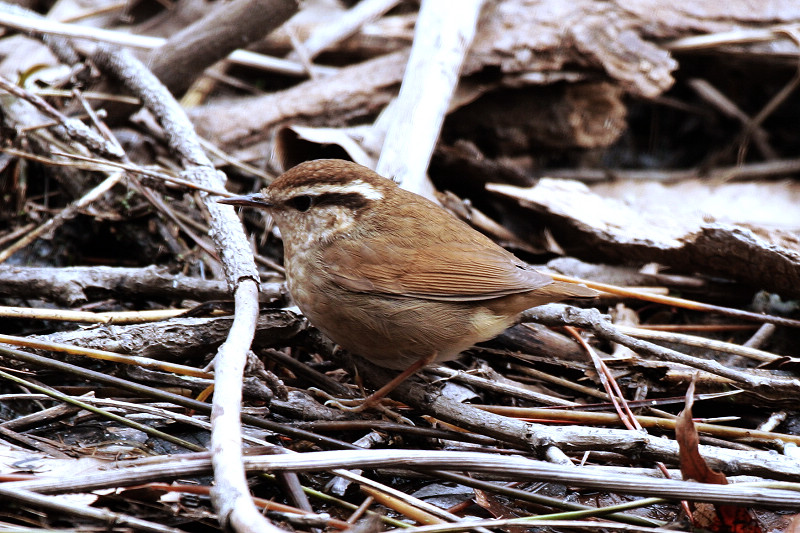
375,398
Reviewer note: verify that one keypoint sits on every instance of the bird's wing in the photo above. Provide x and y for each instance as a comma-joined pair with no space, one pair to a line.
457,270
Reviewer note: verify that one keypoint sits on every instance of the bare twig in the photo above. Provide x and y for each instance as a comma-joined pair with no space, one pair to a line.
69,128
498,386
70,286
738,36
500,466
102,516
700,342
65,214
232,498
644,421
60,47
683,303
563,315
147,42
104,355
712,95
343,26
441,39
228,26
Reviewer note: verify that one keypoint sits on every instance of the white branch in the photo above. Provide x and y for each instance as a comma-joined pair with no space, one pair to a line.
146,42
442,36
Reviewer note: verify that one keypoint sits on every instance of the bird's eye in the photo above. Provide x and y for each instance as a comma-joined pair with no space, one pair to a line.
301,203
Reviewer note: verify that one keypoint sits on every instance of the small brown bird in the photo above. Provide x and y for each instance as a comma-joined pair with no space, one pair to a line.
389,275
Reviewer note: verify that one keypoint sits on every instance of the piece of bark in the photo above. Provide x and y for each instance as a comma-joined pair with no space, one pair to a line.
356,91
606,37
526,38
608,229
562,116
229,26
756,203
528,42
178,338
669,19
70,286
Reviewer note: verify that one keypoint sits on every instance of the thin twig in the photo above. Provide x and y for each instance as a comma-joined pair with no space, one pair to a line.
145,42
343,25
73,128
232,497
681,302
65,214
700,342
562,315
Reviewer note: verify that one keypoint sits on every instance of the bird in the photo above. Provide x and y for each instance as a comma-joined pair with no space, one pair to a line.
389,275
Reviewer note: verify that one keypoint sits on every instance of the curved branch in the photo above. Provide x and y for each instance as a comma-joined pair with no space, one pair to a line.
231,495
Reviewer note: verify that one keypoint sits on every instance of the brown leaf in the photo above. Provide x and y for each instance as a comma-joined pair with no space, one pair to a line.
494,506
794,525
717,518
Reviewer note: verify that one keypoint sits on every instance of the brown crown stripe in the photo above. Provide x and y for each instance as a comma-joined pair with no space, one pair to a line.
319,172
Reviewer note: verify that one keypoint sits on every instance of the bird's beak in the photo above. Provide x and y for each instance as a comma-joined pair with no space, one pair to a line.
249,200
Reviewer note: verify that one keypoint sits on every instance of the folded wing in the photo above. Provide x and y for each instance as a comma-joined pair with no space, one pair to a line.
449,271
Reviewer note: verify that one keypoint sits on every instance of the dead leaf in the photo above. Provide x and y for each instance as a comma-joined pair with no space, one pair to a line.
490,502
717,518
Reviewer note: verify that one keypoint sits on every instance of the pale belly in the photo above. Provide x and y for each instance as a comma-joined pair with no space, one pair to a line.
396,332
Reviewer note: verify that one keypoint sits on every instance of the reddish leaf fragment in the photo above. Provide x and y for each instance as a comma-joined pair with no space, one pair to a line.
493,505
717,518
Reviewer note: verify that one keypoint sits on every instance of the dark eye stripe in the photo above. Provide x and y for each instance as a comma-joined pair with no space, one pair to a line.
352,200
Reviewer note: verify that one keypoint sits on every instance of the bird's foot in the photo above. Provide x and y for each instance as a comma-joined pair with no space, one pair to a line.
358,405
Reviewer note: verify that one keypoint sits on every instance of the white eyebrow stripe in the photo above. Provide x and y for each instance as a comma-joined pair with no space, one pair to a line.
354,187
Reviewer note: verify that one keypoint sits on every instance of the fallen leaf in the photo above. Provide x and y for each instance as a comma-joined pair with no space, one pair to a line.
716,518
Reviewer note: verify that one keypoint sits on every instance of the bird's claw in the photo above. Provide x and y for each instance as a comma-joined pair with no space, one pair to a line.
358,405
353,405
